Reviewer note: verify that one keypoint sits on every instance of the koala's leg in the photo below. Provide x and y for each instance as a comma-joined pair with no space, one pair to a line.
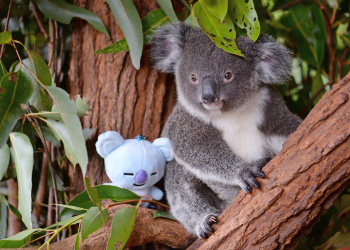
191,201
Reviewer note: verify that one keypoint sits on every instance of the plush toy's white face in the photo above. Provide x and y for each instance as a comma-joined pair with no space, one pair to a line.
135,165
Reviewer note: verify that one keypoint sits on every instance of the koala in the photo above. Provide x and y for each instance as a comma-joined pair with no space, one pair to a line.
228,121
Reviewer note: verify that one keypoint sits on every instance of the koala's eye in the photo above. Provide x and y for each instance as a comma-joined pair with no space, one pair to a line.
154,173
228,76
194,78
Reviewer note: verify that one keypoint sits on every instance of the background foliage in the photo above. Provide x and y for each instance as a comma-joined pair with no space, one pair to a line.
39,122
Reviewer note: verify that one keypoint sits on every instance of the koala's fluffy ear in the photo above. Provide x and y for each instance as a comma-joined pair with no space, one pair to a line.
273,61
167,46
163,144
107,142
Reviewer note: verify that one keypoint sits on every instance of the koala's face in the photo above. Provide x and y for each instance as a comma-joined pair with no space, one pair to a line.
210,79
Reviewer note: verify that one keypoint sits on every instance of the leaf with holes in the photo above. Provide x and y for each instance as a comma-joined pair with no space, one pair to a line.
245,17
222,34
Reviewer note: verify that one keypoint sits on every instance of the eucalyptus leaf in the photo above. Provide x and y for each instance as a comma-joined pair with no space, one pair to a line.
18,240
22,151
92,192
5,37
150,22
122,225
3,70
67,222
63,12
223,34
3,220
163,214
245,17
130,23
50,136
167,6
15,91
51,115
92,221
81,105
70,124
87,132
12,208
77,239
104,192
4,159
71,207
217,8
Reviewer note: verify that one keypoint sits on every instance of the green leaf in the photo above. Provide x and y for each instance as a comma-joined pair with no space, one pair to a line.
12,208
122,225
15,91
67,222
222,34
37,66
3,220
63,12
5,160
81,105
92,192
92,221
130,23
87,132
5,37
71,207
339,240
50,136
77,239
167,6
244,16
192,20
104,192
163,214
217,8
60,130
3,70
51,115
22,151
18,240
149,23
74,139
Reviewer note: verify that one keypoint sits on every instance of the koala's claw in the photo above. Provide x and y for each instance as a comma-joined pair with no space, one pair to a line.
203,229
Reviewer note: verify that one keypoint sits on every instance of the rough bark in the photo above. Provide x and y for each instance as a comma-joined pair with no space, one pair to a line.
122,99
147,229
301,182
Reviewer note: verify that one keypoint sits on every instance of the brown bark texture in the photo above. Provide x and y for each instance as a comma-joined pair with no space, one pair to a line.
147,229
301,182
123,99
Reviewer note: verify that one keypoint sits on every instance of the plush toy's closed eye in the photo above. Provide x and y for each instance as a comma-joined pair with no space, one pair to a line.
107,142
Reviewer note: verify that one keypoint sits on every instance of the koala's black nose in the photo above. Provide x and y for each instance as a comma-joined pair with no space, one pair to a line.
209,91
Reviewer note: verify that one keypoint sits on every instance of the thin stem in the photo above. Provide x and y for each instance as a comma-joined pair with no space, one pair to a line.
38,20
140,200
6,26
187,6
340,62
334,11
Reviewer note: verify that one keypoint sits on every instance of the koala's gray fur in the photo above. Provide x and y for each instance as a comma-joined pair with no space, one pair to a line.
222,131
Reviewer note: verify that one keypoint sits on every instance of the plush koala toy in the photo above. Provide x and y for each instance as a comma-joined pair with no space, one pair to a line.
228,121
134,164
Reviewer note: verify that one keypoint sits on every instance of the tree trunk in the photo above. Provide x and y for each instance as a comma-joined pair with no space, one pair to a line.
123,99
301,182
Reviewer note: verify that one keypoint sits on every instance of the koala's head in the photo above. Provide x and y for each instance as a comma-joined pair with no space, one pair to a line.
209,79
133,164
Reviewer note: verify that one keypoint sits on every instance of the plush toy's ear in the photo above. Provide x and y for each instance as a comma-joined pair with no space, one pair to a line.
272,61
167,46
107,142
163,144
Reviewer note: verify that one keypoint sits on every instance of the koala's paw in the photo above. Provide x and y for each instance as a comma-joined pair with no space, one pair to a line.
203,228
246,177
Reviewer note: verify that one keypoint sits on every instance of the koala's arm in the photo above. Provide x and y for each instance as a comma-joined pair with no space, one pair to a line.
156,193
200,148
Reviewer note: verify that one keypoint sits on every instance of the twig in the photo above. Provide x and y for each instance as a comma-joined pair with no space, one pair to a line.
340,62
187,6
334,11
141,200
38,20
6,25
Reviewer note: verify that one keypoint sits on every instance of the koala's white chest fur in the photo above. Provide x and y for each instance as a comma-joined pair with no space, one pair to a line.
240,130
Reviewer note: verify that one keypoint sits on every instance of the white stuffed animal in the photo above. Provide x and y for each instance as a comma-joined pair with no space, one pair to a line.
135,164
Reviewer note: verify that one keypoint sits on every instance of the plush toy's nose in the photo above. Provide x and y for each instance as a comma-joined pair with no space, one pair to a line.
141,176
